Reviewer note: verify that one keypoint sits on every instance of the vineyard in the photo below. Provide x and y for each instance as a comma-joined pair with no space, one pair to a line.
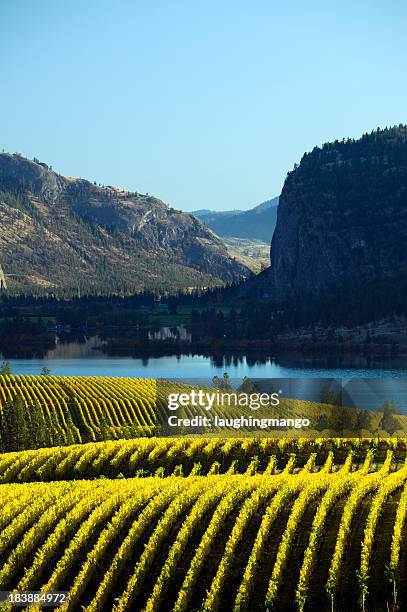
146,457
124,520
283,525
79,409
85,408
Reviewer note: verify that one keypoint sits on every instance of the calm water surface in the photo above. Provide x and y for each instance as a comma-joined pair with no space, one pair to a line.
85,359
194,367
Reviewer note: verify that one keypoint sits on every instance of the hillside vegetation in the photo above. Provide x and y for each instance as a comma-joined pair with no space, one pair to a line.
342,219
69,236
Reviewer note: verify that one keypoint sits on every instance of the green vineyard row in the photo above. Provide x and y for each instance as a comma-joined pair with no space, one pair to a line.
181,543
43,411
163,457
80,408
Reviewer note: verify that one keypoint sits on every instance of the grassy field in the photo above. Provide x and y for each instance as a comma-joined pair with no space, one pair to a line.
161,316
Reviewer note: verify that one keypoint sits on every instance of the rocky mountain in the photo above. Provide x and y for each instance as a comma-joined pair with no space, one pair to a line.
210,216
62,233
257,223
342,219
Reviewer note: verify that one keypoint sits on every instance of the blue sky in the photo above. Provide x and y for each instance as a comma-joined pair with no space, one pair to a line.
205,104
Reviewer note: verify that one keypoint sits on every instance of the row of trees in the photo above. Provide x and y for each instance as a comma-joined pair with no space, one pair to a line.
23,428
263,320
359,421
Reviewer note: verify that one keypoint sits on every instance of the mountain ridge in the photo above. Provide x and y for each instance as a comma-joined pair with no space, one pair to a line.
257,223
59,232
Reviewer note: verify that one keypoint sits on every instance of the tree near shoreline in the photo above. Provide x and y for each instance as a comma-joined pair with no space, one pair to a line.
5,369
389,422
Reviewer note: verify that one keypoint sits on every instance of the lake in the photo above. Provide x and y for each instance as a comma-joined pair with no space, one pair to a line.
84,358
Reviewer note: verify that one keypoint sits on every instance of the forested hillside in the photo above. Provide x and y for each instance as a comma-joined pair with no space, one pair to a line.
342,218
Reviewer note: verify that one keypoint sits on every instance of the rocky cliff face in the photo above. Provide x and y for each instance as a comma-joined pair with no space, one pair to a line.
63,233
342,217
